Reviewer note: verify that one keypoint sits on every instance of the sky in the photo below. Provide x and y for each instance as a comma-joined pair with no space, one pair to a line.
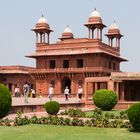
18,17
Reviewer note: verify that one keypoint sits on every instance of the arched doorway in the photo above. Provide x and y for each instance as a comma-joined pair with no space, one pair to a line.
66,82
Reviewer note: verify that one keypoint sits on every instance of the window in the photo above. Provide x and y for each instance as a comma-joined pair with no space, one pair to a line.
80,63
65,63
110,65
80,83
52,82
114,66
52,64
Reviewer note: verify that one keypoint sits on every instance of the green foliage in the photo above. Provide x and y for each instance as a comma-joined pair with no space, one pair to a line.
97,113
134,116
52,107
19,120
74,113
105,99
5,101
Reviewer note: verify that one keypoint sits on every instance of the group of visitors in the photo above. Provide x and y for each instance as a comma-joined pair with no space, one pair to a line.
66,92
27,92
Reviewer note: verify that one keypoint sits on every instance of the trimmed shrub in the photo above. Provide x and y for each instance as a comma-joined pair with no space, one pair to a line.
134,116
5,101
105,99
52,107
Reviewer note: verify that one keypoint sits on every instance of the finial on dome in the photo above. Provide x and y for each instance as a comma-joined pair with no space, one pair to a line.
42,15
114,21
67,25
95,9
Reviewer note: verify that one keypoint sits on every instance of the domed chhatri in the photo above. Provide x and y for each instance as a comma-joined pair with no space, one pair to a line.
42,23
42,29
95,25
95,17
67,34
114,29
114,33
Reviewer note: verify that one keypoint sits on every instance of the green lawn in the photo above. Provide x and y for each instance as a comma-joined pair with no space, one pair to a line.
46,132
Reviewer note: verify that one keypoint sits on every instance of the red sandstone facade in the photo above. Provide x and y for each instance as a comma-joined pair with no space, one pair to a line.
71,61
13,76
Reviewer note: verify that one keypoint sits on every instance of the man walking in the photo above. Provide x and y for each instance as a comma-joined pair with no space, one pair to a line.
50,92
26,89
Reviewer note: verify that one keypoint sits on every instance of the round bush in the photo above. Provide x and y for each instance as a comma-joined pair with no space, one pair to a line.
5,101
105,99
52,107
133,114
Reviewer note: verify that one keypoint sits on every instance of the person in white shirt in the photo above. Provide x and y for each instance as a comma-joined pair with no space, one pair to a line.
80,92
16,92
50,92
66,92
33,93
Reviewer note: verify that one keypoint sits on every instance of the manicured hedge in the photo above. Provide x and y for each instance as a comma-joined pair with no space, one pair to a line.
134,116
5,101
105,99
52,107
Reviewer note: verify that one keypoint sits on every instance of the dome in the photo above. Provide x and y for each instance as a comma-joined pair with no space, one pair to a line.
114,29
67,30
95,14
42,23
67,34
95,17
42,20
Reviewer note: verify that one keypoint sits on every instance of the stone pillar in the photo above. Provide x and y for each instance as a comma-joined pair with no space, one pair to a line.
122,92
13,89
36,37
117,89
111,42
44,39
110,85
101,34
88,33
116,42
85,92
40,38
48,38
97,33
119,42
96,86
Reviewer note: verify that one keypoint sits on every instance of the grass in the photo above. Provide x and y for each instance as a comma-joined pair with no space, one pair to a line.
50,132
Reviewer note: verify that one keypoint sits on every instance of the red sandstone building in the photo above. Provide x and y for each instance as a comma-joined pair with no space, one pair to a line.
71,62
88,62
13,76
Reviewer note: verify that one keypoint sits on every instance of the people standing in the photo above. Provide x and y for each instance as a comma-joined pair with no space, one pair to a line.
16,92
66,92
33,93
50,92
80,92
26,89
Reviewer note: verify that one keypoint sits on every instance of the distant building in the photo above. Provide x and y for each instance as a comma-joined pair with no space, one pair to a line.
13,76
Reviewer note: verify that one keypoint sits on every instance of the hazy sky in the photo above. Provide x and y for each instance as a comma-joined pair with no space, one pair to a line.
18,17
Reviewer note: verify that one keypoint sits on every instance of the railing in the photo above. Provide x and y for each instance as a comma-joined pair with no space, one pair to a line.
73,70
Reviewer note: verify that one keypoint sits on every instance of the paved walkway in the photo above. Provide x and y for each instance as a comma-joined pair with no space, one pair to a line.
41,101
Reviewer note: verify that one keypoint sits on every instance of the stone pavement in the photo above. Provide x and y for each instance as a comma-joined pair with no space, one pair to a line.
41,101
